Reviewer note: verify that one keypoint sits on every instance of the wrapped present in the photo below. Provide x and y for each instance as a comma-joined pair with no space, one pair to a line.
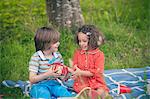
60,69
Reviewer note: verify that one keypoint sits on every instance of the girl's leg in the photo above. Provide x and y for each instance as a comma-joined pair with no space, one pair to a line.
40,91
60,91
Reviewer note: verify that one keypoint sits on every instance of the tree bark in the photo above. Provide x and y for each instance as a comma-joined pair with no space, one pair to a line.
64,13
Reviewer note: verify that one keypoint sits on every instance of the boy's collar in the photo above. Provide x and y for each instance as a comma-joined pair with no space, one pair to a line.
40,53
89,51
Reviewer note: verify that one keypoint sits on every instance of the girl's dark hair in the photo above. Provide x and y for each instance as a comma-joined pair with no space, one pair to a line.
93,33
44,37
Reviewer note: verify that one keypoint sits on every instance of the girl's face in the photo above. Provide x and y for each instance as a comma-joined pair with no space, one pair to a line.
54,47
83,41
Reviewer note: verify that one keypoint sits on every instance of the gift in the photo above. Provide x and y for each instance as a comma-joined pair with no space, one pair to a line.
60,69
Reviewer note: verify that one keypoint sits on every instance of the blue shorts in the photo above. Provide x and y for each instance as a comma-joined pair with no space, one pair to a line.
47,89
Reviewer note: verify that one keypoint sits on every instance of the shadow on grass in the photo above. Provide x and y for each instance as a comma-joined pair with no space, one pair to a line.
11,93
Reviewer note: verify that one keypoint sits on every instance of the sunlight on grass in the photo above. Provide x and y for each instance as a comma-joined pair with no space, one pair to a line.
125,25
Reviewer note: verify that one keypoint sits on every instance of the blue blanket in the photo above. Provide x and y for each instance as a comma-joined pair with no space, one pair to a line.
135,78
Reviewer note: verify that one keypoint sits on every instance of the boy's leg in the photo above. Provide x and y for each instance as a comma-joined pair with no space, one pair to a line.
60,91
40,91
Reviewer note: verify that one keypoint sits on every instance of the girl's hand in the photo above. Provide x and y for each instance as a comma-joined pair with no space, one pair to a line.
70,70
77,72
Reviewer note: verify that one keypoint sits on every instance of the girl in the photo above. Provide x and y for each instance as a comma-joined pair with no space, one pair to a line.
43,79
88,61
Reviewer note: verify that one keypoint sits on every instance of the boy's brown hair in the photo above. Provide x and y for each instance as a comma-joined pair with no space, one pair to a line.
44,37
96,37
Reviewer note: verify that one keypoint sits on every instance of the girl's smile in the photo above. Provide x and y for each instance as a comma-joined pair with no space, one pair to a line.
83,41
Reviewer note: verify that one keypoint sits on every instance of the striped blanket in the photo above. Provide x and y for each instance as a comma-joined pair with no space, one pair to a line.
137,79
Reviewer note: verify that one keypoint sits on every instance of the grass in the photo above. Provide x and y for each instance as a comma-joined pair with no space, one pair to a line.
125,25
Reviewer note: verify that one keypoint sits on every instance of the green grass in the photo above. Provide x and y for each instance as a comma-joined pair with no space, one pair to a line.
125,25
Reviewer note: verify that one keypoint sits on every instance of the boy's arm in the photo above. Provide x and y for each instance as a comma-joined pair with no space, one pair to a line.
33,70
33,77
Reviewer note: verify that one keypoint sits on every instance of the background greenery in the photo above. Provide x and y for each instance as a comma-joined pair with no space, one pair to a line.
125,24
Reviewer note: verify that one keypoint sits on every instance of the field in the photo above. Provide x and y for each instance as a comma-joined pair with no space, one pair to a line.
125,24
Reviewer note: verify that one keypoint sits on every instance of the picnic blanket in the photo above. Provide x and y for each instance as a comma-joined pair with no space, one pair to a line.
137,79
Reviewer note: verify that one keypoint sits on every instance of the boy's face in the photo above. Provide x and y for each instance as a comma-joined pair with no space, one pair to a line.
54,47
83,41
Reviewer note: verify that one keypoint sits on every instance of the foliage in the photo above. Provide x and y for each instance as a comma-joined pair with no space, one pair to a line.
125,24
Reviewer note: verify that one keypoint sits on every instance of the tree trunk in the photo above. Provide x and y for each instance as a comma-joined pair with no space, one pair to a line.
64,13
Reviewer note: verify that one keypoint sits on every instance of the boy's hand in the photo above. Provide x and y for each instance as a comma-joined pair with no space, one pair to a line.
53,73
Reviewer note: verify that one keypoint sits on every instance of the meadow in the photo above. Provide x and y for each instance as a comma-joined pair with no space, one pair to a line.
125,24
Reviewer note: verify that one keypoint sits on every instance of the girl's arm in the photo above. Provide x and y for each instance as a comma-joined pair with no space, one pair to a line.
79,72
99,65
86,73
98,70
70,70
